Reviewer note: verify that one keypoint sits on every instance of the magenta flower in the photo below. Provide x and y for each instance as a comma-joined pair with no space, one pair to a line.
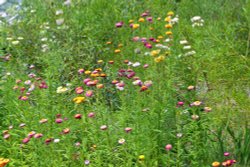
43,85
80,71
148,45
180,103
23,98
119,24
31,134
150,19
226,154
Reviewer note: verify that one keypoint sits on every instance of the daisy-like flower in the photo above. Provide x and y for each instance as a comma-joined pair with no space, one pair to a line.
117,51
87,162
207,109
121,141
141,157
168,147
91,114
103,127
89,93
119,24
56,140
135,26
155,52
191,87
15,42
183,42
215,164
43,121
79,100
196,103
60,21
136,64
78,116
61,89
128,129
195,117
59,12
4,162
79,90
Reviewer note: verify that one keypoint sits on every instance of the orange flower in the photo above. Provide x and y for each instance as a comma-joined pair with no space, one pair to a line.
117,51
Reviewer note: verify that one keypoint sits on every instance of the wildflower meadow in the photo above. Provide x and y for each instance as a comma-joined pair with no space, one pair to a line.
129,83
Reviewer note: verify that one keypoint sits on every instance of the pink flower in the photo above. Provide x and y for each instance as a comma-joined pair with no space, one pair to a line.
145,66
128,129
168,147
79,90
26,140
135,39
80,71
38,135
59,120
91,115
144,14
6,136
78,116
89,93
86,80
31,134
226,154
23,98
180,103
119,24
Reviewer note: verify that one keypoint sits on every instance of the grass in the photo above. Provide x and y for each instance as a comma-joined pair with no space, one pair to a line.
219,71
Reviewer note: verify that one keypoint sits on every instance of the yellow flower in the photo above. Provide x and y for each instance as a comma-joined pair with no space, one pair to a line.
160,37
170,13
87,72
151,28
159,59
135,26
155,52
131,21
158,18
4,162
168,26
117,51
141,20
94,75
169,33
215,164
79,100
100,61
98,69
167,19
120,45
141,157
108,42
157,41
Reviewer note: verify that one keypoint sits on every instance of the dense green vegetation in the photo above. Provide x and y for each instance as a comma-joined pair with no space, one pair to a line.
81,86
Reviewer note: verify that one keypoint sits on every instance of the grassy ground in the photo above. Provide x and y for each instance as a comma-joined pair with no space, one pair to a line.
150,117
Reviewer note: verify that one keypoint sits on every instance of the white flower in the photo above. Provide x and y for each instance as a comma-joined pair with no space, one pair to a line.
195,18
59,12
121,141
187,47
44,39
129,63
28,82
60,21
20,38
67,2
175,20
61,89
32,87
9,39
136,64
167,40
147,54
56,140
190,53
15,42
183,42
32,11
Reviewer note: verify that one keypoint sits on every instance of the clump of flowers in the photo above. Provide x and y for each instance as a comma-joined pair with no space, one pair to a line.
4,162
